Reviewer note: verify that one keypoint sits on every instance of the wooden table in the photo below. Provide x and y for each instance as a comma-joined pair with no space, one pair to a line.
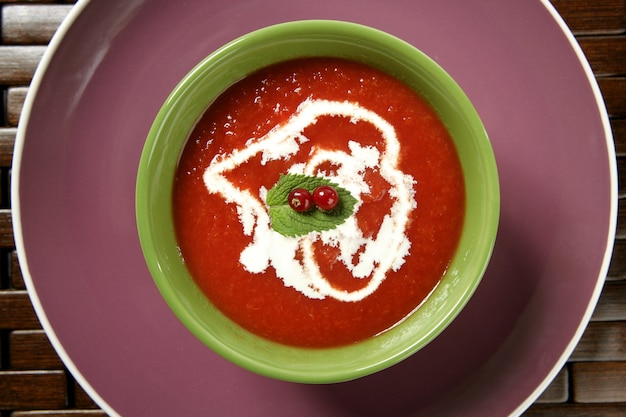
34,381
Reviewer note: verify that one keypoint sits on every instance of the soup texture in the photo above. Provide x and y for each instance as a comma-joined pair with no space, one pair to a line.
366,132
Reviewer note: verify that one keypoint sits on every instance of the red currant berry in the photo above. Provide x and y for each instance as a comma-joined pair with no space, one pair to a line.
325,197
300,200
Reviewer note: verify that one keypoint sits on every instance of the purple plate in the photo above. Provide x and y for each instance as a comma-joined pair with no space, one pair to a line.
91,104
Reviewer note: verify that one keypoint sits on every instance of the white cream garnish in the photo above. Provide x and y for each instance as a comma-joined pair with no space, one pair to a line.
377,255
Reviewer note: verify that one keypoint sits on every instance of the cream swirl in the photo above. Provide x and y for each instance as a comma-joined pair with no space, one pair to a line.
377,254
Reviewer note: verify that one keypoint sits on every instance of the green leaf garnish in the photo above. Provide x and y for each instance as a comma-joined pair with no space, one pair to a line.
289,222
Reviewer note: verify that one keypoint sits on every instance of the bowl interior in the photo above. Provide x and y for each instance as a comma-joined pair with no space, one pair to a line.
231,63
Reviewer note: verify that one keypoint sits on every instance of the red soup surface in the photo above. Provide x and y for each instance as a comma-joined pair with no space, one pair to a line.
362,129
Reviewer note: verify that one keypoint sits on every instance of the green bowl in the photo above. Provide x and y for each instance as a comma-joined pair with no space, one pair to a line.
229,64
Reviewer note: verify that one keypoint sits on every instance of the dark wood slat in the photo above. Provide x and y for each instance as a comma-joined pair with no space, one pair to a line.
620,232
617,267
7,143
81,399
18,63
602,341
14,104
611,305
6,229
16,311
598,382
557,391
576,410
606,54
614,92
64,413
618,127
598,16
31,24
32,390
31,349
38,1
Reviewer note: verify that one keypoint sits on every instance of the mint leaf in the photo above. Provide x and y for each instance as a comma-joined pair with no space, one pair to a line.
289,222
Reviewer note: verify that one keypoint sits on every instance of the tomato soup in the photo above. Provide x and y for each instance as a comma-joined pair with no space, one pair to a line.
356,126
